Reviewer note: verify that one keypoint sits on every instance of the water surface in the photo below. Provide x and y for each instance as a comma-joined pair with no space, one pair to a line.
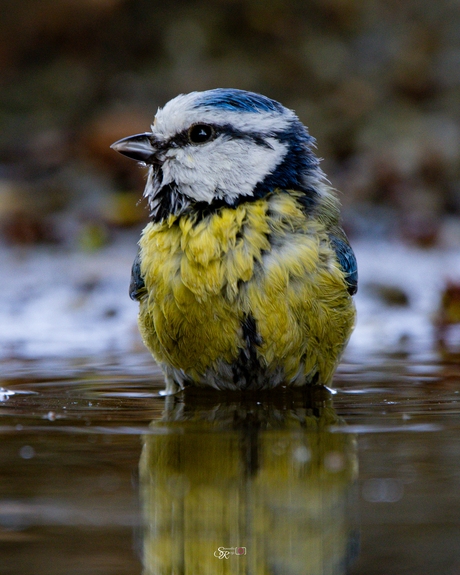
101,474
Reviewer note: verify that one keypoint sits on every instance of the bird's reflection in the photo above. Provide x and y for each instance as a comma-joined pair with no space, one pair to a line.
245,484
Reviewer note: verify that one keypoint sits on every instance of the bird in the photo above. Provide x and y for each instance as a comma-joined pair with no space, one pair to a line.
244,276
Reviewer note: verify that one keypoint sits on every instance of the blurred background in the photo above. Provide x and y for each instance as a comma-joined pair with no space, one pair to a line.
376,81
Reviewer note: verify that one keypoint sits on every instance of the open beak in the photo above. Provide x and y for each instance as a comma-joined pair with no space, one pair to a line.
137,148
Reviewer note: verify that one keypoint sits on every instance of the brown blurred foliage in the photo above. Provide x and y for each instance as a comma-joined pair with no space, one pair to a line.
376,81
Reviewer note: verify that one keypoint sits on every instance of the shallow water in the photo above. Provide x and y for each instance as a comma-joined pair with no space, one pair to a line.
101,474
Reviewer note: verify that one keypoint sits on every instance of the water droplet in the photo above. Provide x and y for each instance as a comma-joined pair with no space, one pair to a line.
5,393
383,490
279,447
334,462
27,452
301,454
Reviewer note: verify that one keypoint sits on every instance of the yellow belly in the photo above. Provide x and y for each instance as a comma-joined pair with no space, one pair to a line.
262,260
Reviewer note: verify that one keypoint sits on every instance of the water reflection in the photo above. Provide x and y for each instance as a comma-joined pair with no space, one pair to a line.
248,485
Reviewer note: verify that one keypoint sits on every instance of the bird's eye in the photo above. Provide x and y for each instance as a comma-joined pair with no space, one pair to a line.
200,133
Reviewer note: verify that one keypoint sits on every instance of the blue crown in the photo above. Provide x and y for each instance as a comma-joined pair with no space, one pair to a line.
238,101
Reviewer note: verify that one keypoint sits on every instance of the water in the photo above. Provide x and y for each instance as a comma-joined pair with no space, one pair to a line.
99,474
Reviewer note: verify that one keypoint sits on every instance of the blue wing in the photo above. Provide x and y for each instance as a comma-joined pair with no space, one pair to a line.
347,261
137,285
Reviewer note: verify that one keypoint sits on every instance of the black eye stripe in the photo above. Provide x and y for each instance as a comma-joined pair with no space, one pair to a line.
227,131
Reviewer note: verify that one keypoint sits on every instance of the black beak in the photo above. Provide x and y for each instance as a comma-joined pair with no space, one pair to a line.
137,148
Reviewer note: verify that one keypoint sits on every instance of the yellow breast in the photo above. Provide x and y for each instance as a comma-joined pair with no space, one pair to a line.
265,260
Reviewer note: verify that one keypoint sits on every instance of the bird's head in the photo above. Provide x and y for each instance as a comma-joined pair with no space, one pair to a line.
222,147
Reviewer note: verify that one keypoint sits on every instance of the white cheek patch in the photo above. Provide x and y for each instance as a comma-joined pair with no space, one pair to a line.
222,168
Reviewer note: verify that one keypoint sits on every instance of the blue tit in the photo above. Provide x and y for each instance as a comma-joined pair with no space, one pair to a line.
244,276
